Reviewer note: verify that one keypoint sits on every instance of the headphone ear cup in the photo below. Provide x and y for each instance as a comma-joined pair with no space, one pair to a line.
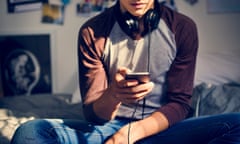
151,19
131,23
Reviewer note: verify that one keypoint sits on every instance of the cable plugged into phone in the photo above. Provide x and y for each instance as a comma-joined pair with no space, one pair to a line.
142,77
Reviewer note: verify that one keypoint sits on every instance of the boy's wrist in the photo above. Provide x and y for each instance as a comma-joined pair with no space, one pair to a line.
136,131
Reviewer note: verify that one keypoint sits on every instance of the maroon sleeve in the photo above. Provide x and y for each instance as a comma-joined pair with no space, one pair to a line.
93,78
180,77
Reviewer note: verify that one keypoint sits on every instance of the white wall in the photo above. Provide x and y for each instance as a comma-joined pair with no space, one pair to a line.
217,32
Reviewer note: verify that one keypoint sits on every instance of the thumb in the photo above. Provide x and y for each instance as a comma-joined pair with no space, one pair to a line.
123,70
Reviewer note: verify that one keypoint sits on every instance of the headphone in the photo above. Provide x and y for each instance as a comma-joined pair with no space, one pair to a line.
130,24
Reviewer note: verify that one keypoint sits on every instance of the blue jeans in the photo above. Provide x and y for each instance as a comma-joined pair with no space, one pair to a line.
215,129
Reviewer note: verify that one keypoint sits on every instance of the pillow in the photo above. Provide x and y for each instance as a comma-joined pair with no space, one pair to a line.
217,68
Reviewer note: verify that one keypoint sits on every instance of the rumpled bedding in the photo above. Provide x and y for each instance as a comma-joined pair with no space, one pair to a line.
209,99
19,109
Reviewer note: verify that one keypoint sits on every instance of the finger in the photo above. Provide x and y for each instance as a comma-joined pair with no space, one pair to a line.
120,76
123,70
122,83
134,87
134,94
144,87
131,97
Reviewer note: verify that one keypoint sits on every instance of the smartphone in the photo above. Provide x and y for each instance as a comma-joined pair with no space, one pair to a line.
142,77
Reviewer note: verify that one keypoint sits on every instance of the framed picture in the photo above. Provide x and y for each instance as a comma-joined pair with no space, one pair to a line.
15,6
25,64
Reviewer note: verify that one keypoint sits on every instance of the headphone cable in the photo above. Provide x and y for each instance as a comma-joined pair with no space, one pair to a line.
148,69
149,46
129,125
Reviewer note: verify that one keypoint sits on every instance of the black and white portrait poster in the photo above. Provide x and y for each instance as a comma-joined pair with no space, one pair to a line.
25,64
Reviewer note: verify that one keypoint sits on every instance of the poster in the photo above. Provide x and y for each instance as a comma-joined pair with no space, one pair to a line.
25,64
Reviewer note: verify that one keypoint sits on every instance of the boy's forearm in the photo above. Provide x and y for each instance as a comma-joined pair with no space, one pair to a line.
106,106
151,125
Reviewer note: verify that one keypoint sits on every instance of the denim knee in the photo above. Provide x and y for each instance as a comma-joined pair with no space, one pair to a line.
233,119
232,135
34,131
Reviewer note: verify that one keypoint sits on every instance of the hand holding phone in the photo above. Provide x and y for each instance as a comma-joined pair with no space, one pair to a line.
142,77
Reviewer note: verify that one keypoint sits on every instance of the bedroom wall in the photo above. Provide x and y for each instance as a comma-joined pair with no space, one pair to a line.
217,32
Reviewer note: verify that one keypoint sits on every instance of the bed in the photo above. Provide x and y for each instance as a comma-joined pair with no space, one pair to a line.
216,90
19,109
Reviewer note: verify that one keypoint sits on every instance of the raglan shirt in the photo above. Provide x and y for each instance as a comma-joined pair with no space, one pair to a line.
169,51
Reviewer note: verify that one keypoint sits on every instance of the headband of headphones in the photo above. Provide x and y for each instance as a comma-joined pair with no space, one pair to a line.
130,24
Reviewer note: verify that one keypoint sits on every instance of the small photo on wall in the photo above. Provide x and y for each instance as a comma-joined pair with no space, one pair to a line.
52,13
86,7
